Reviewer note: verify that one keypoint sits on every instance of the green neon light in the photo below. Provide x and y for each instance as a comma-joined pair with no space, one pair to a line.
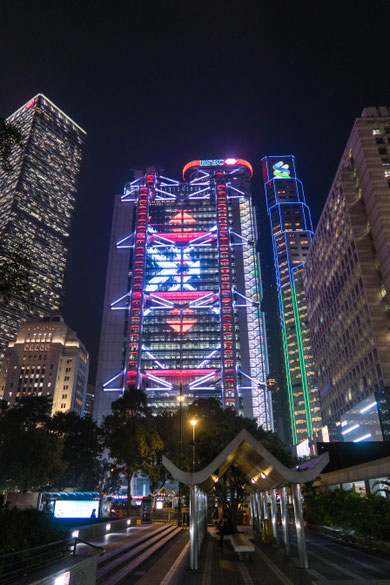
302,362
288,375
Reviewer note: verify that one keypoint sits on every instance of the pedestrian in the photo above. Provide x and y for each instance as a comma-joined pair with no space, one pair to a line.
215,516
222,529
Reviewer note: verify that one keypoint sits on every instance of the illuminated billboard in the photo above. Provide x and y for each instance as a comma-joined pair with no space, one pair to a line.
76,509
278,167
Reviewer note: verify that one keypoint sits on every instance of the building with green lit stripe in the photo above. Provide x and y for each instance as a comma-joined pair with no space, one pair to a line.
292,232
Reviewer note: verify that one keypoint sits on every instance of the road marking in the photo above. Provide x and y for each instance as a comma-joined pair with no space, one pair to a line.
316,574
281,576
176,566
365,565
206,578
335,565
246,578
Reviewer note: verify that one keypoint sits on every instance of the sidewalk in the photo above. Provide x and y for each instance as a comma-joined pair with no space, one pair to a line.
221,566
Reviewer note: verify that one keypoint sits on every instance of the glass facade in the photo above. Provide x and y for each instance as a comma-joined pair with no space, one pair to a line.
193,320
292,232
36,206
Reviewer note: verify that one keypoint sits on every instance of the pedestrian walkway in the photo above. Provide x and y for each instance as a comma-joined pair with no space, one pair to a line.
330,564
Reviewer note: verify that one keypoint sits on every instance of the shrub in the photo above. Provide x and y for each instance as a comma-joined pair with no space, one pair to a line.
21,529
369,516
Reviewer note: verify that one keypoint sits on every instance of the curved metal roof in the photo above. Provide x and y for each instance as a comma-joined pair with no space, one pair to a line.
263,470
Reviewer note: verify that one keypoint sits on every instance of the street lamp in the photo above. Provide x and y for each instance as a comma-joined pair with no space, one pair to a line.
193,422
180,398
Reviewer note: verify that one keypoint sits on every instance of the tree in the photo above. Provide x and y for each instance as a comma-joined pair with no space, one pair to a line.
15,275
83,446
10,136
132,439
215,429
30,456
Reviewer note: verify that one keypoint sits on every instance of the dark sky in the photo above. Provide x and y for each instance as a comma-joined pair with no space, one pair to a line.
175,81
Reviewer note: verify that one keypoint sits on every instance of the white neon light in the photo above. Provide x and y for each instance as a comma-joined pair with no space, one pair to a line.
362,438
114,378
173,181
158,381
204,378
112,306
350,429
368,407
208,357
237,190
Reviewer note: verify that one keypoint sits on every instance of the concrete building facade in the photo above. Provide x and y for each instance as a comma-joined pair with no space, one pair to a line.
46,359
347,278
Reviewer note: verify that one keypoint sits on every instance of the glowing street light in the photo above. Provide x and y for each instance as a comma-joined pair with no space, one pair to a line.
193,422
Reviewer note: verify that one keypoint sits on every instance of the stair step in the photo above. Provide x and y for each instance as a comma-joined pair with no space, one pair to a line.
116,552
120,575
127,556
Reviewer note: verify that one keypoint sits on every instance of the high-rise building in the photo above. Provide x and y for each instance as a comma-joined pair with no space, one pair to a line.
46,359
89,400
183,293
36,206
347,283
292,231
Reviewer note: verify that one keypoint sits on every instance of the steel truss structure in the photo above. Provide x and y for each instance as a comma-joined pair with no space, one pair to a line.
195,290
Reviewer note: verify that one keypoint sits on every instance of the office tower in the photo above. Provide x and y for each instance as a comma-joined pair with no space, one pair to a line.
292,231
347,283
89,400
46,359
183,293
36,206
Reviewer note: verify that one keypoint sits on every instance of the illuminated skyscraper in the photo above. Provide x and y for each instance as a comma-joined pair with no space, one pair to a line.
36,205
347,283
183,293
292,231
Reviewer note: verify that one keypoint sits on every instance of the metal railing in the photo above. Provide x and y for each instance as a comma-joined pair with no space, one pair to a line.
16,565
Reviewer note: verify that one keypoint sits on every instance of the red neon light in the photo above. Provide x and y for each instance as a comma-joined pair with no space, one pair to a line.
181,295
30,104
229,162
183,217
180,236
190,165
181,325
183,373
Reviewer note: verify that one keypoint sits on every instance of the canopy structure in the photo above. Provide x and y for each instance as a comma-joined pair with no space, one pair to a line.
265,474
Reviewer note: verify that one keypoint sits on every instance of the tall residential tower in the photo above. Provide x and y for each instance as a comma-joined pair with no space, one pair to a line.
292,231
36,205
183,293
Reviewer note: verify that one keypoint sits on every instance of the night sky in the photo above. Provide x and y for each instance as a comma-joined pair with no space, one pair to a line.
171,82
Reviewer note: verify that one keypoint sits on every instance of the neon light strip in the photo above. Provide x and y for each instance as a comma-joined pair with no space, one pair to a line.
350,429
366,408
228,337
181,237
362,438
288,373
146,191
302,361
183,373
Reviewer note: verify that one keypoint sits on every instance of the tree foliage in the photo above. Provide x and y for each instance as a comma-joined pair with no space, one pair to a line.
83,446
10,136
30,456
215,429
366,516
15,269
132,439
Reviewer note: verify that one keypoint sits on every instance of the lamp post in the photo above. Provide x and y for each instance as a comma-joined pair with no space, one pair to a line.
180,399
193,422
